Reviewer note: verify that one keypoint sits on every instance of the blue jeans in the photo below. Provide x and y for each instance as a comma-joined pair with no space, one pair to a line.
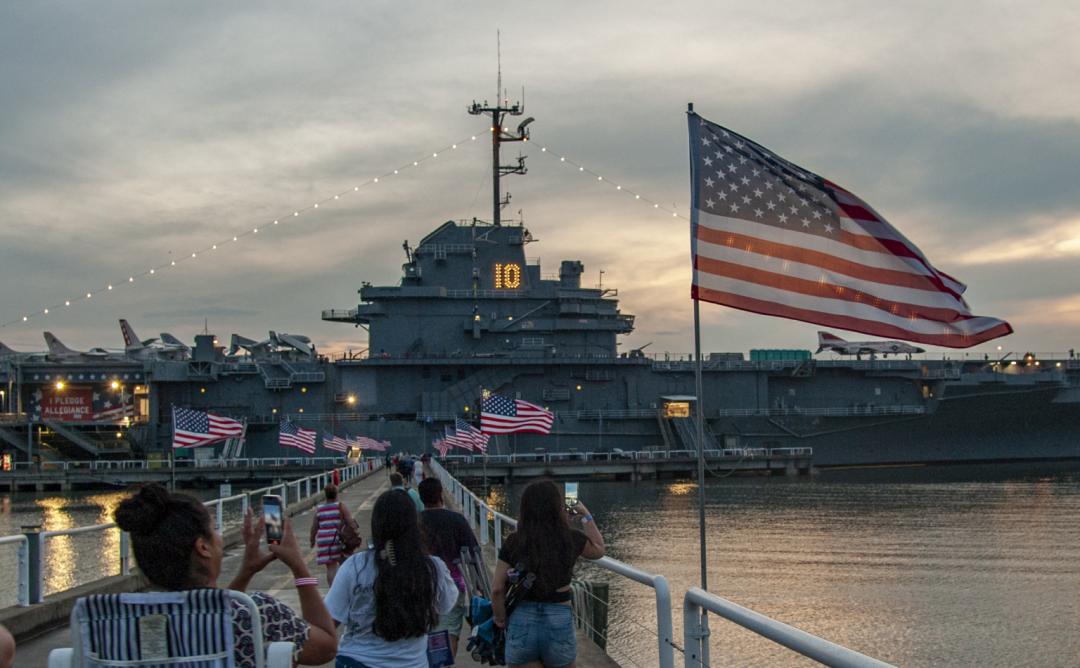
541,631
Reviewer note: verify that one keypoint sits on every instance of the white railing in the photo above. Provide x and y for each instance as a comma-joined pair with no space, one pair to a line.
33,545
696,634
642,455
479,515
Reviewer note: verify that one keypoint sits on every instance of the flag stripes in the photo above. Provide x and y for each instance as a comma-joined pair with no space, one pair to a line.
770,237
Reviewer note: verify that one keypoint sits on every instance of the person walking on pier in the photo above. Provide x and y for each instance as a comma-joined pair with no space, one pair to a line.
397,482
540,629
177,549
446,533
326,532
391,596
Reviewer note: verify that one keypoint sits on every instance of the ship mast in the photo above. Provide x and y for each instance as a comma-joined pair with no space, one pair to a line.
499,134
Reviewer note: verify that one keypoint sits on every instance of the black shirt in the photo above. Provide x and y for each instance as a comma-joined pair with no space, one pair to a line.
552,576
445,533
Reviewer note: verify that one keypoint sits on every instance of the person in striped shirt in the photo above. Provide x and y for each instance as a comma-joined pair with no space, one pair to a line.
326,532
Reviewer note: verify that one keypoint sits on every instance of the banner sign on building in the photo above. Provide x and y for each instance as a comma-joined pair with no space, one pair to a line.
80,404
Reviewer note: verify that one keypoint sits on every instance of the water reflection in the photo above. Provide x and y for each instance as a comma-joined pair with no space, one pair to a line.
70,560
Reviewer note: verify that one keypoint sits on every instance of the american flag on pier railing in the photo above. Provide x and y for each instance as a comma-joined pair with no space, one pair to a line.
365,443
192,428
477,438
291,436
332,442
457,440
770,237
501,415
441,446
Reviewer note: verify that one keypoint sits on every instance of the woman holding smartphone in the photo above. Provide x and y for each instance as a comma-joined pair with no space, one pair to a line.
177,549
540,630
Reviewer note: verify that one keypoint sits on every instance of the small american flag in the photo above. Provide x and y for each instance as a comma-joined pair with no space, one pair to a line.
332,442
477,438
193,428
770,237
457,440
441,446
501,415
365,443
291,436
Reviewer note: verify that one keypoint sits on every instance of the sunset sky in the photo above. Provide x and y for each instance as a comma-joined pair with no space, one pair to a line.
135,133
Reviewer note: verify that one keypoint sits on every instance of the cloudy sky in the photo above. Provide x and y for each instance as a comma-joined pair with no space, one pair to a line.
134,133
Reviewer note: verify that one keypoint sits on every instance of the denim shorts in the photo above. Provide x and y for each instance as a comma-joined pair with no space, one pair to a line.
541,631
451,621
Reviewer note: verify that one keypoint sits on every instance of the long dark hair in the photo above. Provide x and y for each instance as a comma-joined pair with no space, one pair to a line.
164,528
544,535
405,579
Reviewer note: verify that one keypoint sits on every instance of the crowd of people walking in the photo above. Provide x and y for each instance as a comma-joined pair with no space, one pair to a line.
383,601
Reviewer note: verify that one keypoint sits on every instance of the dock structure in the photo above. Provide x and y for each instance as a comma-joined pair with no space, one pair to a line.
651,464
209,473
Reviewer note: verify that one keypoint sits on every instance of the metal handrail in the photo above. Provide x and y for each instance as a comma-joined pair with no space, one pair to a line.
696,633
31,576
477,513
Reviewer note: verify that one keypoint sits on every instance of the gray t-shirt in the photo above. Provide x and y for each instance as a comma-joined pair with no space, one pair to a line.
351,601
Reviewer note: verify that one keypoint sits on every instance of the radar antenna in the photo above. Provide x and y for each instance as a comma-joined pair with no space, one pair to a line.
499,134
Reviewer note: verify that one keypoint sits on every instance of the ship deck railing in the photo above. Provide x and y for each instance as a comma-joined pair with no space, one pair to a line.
30,576
640,455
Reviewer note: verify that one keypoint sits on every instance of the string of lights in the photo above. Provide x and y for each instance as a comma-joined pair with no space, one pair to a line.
585,171
195,254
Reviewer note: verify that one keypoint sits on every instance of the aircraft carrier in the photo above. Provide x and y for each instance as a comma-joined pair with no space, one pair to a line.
472,316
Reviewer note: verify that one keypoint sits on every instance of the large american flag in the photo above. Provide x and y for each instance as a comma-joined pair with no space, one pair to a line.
476,438
192,428
291,436
502,415
770,237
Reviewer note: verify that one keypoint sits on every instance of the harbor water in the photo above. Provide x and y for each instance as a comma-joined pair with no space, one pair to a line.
935,566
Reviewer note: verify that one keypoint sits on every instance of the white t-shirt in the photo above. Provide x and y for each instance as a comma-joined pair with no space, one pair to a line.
351,601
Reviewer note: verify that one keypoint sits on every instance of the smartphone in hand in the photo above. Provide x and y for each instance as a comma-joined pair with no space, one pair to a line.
571,495
274,515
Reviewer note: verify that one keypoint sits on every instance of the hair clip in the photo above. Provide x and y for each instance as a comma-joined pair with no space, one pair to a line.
387,553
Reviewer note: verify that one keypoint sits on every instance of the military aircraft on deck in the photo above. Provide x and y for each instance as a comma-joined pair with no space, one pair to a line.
151,348
834,343
58,352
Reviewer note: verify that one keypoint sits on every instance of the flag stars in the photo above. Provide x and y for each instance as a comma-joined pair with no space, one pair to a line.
783,218
758,192
828,228
705,141
721,194
781,196
759,213
734,187
742,160
745,181
770,205
721,174
708,162
805,222
768,185
709,203
732,168
734,208
817,215
745,199
794,210
709,182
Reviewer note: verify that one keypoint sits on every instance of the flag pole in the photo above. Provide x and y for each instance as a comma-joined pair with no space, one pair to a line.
699,391
172,454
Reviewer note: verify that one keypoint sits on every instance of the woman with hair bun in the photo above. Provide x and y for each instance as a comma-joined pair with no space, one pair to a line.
391,596
177,549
